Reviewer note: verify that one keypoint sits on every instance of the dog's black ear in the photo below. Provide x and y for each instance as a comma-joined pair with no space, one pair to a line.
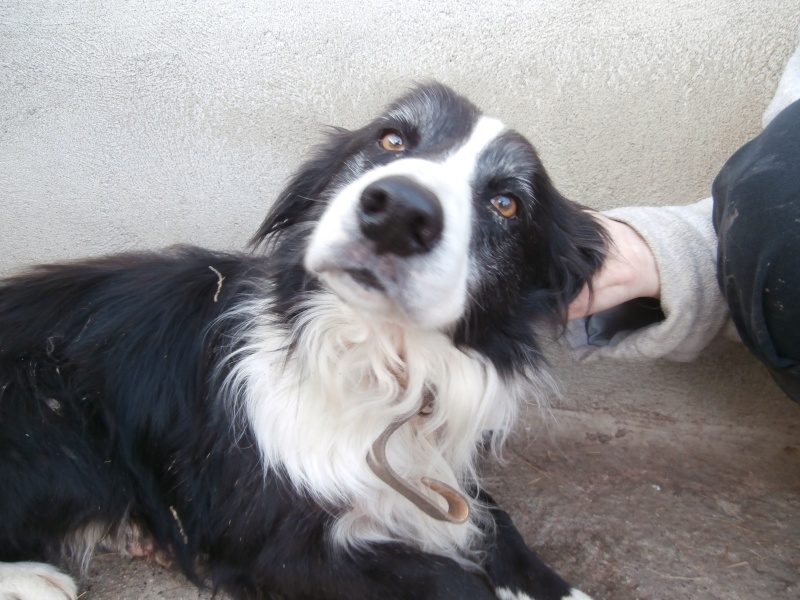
297,201
560,248
574,243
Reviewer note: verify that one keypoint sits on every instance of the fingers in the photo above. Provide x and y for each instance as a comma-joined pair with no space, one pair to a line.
629,271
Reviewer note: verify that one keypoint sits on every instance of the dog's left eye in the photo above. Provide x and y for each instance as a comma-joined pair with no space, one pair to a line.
505,204
392,141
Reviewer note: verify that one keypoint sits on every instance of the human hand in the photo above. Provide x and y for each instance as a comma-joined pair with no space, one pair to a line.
629,271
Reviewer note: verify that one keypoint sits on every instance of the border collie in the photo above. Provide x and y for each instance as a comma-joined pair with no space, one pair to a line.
302,421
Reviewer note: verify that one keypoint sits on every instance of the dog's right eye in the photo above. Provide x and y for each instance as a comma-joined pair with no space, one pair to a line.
392,141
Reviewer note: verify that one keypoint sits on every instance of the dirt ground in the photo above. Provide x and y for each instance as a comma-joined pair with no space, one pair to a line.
642,491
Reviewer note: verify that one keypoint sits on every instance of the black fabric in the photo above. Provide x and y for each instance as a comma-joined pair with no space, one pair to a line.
634,314
757,219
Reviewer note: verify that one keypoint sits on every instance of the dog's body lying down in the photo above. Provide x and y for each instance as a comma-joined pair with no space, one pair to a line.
291,419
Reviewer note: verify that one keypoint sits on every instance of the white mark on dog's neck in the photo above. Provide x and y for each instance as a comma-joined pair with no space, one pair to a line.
316,416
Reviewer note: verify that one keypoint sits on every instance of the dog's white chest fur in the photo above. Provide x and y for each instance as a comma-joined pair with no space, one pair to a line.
317,413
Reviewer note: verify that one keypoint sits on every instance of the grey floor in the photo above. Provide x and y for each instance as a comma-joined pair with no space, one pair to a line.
658,482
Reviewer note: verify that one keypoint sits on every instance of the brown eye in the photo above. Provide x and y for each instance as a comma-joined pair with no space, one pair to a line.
393,142
506,205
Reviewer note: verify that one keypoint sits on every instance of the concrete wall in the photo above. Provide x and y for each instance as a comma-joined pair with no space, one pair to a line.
141,124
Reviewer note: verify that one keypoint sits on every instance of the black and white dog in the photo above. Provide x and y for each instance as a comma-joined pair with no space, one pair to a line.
302,421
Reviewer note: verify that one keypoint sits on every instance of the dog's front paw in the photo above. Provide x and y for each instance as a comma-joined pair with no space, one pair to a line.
507,594
35,581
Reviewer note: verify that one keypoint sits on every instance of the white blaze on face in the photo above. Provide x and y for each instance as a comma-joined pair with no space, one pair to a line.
427,289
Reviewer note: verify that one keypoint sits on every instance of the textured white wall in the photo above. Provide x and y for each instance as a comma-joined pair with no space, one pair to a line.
141,124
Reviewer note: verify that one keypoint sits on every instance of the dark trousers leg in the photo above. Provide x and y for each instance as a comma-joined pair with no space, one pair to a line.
757,218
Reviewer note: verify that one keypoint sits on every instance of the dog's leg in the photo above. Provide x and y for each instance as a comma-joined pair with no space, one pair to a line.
394,571
515,571
381,571
35,581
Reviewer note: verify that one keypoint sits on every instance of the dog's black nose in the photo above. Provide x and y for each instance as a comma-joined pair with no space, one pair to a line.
400,216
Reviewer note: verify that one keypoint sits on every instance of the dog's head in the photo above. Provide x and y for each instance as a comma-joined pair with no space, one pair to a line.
435,216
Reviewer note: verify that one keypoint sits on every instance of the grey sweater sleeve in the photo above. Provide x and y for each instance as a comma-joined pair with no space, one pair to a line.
692,310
